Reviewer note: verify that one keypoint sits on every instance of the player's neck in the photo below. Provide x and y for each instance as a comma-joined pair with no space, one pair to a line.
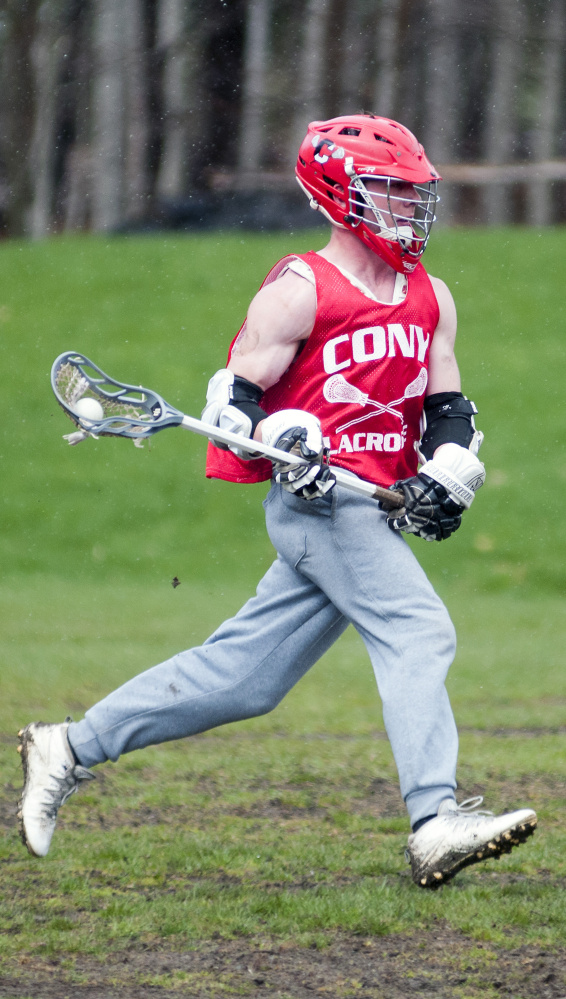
347,251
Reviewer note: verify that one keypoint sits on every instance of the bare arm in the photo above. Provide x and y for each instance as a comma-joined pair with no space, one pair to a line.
443,374
279,317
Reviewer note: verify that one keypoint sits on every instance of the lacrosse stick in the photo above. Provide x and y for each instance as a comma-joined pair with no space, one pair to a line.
337,389
136,412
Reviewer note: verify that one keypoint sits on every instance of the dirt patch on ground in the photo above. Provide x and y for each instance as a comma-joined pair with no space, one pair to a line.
443,965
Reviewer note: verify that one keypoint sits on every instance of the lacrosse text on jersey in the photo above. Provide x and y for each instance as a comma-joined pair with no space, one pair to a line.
365,442
363,371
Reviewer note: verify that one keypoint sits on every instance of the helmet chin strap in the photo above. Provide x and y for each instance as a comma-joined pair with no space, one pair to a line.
406,236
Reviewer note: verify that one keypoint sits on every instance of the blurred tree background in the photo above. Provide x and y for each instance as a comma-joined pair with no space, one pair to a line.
125,115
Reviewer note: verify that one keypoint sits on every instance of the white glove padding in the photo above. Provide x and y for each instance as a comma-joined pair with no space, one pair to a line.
300,433
220,413
279,424
458,470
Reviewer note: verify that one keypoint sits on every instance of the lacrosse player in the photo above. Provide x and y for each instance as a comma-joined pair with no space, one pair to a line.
347,359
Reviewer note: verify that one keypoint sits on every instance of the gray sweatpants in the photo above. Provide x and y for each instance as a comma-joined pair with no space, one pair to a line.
337,563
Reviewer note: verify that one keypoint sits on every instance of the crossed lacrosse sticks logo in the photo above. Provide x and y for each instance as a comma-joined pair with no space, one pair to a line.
337,389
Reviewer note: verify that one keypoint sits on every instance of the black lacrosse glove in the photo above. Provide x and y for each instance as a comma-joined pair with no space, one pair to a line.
428,512
308,481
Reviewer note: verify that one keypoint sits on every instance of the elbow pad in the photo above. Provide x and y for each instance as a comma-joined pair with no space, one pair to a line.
232,403
245,397
448,419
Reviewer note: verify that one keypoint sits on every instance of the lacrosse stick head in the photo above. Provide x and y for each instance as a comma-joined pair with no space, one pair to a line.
337,389
127,410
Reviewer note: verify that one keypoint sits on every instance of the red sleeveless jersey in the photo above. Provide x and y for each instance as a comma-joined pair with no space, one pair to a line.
363,371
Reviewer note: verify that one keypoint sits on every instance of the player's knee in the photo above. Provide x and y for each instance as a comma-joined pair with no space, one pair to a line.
444,636
437,635
449,632
261,702
267,703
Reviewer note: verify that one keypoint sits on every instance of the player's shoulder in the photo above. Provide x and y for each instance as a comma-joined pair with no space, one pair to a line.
442,291
284,309
292,287
447,317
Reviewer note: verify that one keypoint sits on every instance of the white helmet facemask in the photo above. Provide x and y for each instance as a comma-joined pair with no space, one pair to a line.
400,219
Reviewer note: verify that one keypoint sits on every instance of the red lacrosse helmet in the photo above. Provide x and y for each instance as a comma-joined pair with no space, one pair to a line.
339,157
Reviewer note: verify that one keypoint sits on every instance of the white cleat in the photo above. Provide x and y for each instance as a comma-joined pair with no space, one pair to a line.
51,776
458,836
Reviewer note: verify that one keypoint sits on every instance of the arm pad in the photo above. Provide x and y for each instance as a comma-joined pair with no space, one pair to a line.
245,397
227,391
449,419
232,403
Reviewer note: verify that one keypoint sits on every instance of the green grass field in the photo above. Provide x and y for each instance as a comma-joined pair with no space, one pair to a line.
267,857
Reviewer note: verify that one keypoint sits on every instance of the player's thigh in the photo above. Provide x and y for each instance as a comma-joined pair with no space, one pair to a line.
367,571
280,632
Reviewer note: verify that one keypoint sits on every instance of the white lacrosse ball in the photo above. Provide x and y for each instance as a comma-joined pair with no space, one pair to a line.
89,410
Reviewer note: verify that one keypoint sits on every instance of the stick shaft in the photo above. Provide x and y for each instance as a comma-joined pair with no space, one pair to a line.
393,499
